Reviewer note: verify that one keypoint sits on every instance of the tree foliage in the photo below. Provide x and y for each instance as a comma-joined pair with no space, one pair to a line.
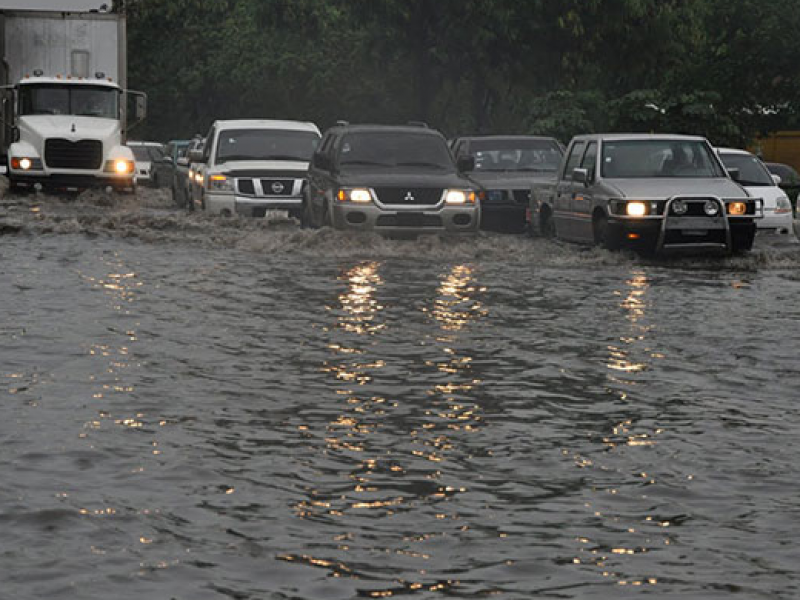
724,69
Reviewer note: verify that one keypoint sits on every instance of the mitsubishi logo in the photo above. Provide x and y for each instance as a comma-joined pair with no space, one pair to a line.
277,187
409,197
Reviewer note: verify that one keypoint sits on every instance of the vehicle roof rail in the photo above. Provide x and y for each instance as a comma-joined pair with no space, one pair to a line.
418,124
342,123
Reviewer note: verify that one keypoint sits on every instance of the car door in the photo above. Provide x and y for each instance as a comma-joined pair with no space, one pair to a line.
583,197
563,217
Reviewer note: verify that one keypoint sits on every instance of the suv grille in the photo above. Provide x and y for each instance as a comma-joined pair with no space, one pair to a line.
277,187
409,196
83,154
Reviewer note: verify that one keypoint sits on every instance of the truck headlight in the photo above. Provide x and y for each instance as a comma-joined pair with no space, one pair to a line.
737,208
220,183
636,209
25,163
357,195
120,166
459,197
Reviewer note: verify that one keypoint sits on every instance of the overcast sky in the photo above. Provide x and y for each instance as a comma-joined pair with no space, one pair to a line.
65,5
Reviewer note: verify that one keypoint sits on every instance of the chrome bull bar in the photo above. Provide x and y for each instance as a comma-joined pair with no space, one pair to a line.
719,221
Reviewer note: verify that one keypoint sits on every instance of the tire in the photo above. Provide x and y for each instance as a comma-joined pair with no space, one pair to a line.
604,236
547,227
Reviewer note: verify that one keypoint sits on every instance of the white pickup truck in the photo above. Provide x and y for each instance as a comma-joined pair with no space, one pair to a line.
248,167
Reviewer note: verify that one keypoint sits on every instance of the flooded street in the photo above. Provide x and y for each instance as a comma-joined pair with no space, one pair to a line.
199,408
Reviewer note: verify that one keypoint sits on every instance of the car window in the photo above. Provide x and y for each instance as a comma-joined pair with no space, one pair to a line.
394,149
575,154
265,144
516,154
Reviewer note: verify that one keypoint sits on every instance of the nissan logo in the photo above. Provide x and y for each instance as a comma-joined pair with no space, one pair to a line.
277,187
409,197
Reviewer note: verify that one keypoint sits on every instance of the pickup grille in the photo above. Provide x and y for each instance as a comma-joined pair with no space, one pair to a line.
409,196
277,187
64,154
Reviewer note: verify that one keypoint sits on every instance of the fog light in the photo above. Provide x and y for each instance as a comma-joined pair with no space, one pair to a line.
636,209
737,208
711,208
679,207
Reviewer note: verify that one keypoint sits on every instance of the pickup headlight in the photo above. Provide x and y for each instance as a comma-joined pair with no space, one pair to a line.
26,164
459,197
120,166
220,183
636,209
356,195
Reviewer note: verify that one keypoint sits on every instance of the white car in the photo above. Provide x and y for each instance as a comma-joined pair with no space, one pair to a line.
248,167
149,157
754,176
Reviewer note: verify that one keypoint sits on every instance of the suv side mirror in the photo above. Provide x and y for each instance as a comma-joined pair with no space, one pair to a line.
196,155
580,175
465,163
319,161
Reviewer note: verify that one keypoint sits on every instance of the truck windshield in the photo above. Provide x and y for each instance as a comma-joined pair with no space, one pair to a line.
266,144
516,155
645,159
401,149
83,100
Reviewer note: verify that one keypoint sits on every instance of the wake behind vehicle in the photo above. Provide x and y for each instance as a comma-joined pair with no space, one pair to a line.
758,181
506,167
248,167
396,180
64,111
648,192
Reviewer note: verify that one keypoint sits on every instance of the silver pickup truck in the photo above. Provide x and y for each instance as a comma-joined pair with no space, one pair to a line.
648,192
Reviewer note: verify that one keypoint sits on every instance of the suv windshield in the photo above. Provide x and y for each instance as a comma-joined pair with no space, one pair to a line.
266,144
645,159
395,149
81,100
751,170
516,155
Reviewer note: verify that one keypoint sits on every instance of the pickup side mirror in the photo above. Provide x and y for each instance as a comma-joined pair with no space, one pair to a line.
735,174
777,179
580,175
196,155
465,163
319,161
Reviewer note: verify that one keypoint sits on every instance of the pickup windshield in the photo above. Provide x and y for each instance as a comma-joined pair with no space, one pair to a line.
66,99
266,144
516,155
648,159
395,149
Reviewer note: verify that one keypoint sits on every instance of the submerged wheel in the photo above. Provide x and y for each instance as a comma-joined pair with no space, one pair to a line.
604,235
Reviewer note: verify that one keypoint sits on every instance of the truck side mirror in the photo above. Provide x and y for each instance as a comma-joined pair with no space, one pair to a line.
196,155
318,161
141,107
580,175
465,163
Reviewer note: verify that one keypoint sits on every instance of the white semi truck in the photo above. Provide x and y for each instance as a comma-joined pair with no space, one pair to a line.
64,100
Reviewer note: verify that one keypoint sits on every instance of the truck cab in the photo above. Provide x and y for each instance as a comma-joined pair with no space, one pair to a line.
68,134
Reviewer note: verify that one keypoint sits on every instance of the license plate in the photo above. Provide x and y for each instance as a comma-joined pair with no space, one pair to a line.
276,214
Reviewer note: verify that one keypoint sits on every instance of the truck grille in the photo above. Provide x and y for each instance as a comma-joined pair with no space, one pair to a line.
64,154
409,196
277,187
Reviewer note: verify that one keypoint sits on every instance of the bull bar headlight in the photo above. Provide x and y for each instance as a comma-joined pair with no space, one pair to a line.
737,209
636,209
459,197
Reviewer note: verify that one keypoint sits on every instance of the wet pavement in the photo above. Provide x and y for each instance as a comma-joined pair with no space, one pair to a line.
196,407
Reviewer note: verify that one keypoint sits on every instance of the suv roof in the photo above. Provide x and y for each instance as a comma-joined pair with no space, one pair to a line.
266,124
639,136
359,128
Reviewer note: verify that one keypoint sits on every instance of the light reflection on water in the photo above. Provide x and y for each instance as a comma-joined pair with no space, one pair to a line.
225,424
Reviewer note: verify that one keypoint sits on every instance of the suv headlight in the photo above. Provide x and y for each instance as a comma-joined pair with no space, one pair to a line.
459,197
220,183
356,195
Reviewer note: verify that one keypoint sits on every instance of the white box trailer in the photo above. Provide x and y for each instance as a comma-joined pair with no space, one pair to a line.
64,111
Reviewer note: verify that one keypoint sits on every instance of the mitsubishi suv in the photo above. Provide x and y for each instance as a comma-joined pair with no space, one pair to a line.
390,179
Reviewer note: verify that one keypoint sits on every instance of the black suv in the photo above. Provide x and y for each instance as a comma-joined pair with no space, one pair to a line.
507,167
390,179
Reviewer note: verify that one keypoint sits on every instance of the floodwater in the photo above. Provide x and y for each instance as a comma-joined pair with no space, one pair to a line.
201,408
